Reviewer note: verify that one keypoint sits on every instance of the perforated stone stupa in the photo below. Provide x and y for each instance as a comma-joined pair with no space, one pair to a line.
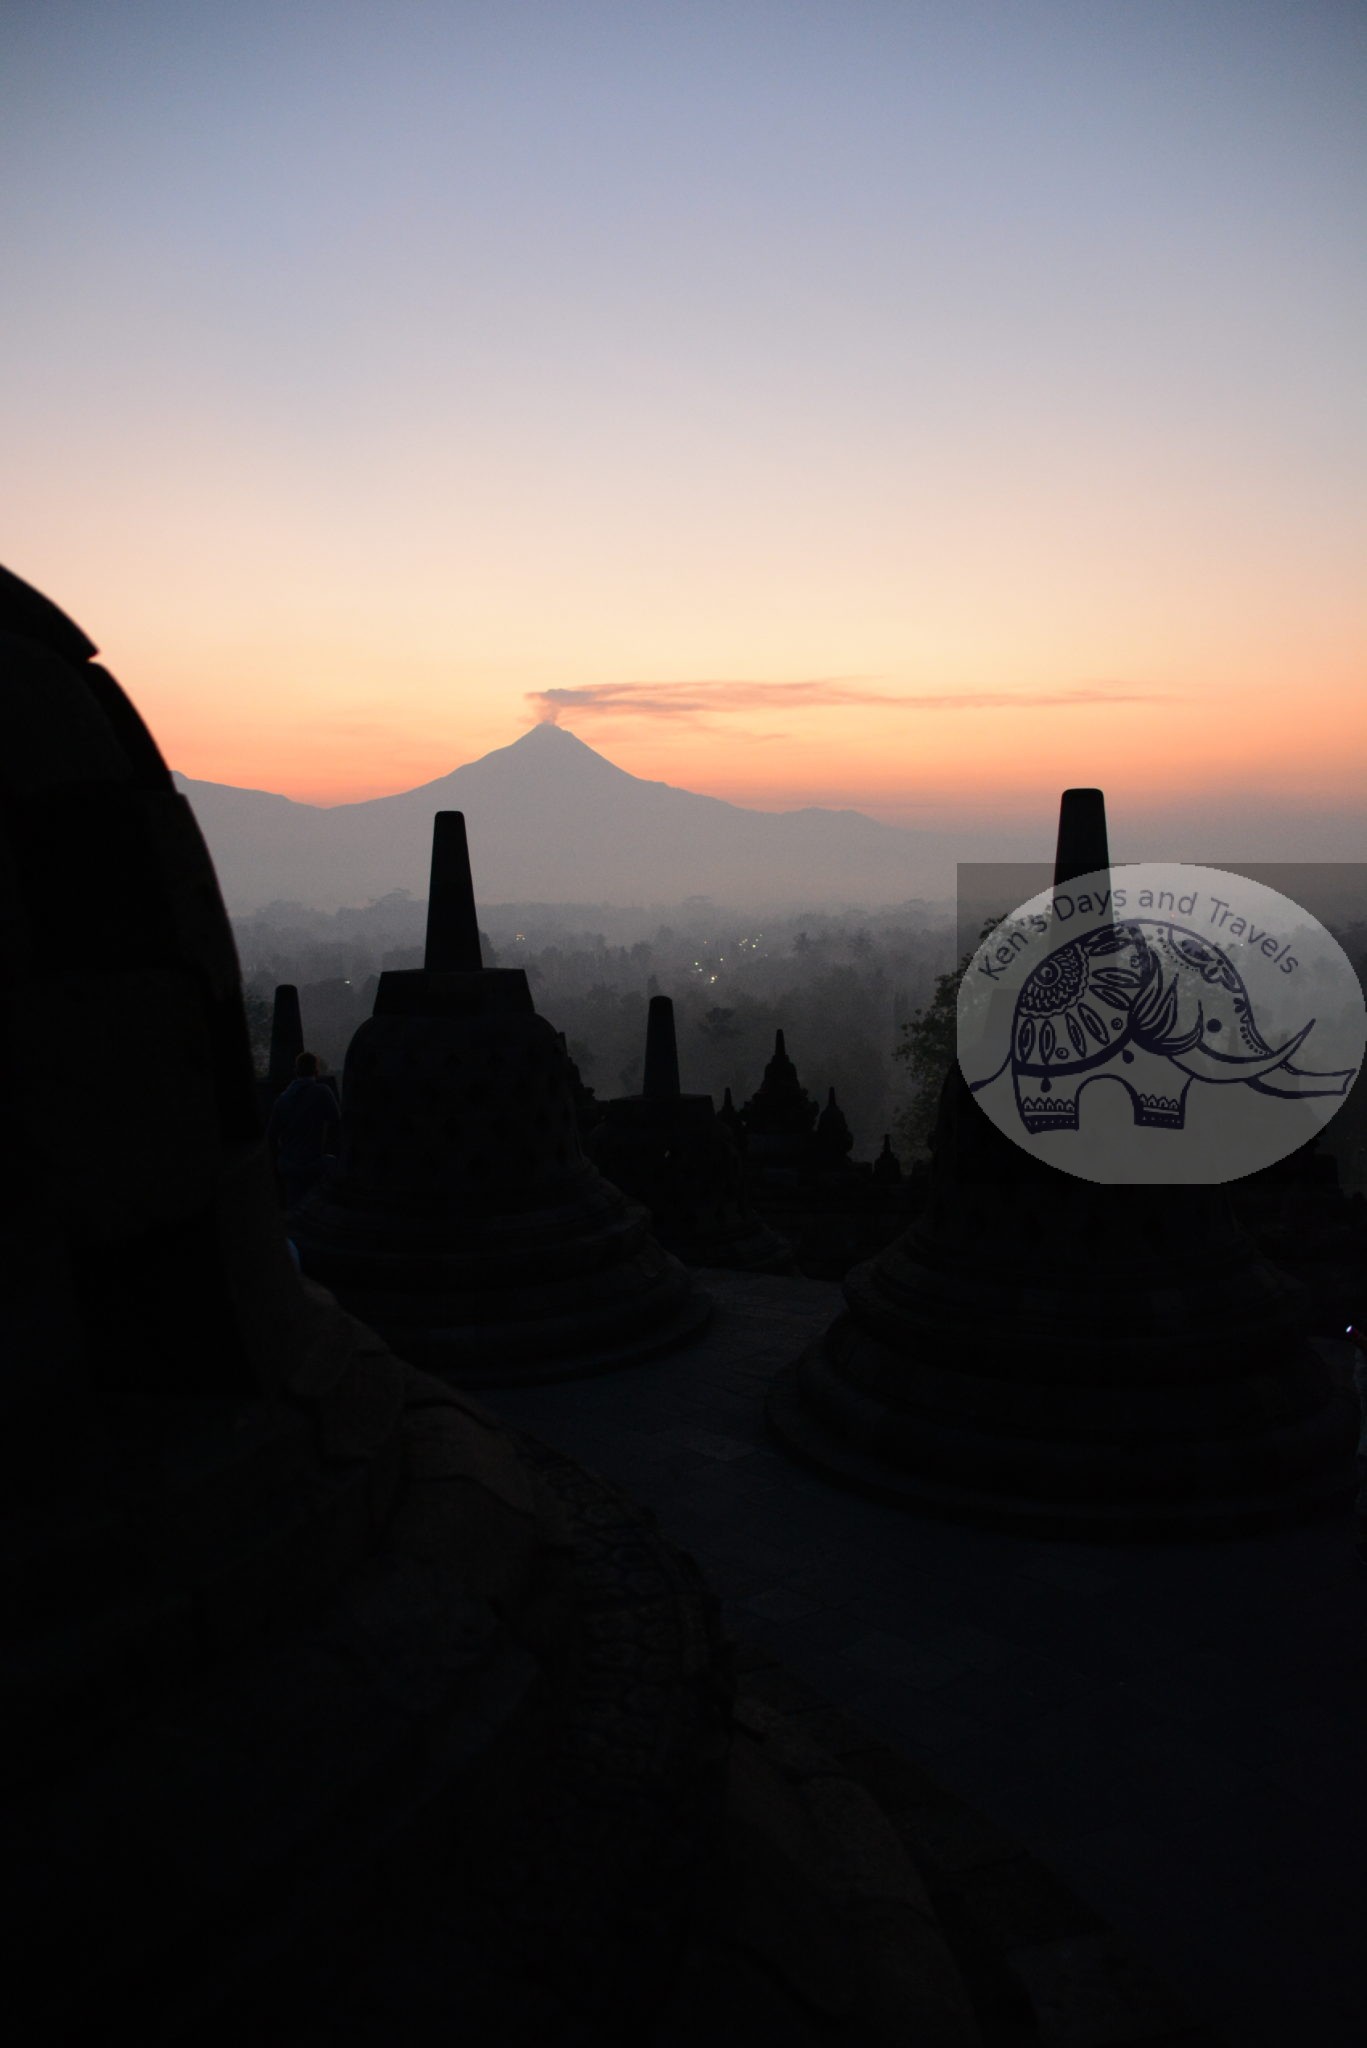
672,1153
465,1222
335,1711
1044,1352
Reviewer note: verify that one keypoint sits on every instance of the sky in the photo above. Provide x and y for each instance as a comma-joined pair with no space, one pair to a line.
912,407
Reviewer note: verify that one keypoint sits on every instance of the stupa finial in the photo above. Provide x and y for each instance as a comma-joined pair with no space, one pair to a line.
287,1035
452,945
661,1080
1082,848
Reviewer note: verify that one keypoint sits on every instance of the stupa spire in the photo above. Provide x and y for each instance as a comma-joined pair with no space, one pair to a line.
287,1035
661,1079
452,945
1082,848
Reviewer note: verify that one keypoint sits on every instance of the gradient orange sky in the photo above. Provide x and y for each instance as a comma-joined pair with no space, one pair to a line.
912,408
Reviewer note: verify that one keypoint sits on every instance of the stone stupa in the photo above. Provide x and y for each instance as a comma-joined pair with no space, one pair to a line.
780,1116
464,1221
833,1140
671,1152
336,1712
1041,1352
799,1176
887,1168
729,1115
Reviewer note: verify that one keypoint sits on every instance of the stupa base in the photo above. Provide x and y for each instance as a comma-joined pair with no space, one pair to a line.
833,1219
517,1354
673,1156
760,1250
501,1292
1168,1487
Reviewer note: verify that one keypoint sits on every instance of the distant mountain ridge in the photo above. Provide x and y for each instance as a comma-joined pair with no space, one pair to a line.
551,820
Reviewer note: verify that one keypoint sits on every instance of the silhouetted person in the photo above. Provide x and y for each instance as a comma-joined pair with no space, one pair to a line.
302,1123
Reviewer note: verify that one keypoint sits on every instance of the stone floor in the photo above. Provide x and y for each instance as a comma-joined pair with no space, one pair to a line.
1179,1733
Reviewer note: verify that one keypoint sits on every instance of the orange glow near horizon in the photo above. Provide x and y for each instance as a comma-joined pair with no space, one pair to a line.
328,695
959,648
969,414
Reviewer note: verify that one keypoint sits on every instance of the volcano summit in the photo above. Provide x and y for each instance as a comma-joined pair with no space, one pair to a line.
555,821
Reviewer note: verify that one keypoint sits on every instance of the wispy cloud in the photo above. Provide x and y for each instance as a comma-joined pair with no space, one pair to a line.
698,703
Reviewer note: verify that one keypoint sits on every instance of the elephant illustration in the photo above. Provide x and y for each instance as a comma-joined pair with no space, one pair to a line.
1154,1006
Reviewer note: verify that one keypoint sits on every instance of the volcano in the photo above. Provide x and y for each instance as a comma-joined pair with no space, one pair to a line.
551,820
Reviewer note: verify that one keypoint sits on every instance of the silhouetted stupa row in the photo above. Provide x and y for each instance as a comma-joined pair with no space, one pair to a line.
708,1179
1033,1350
